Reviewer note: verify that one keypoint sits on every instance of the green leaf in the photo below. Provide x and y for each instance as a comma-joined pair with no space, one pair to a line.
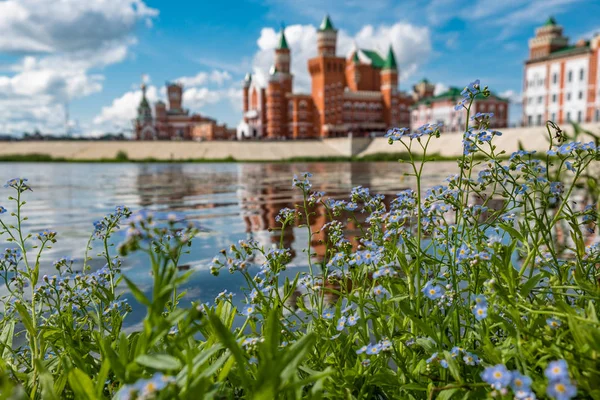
46,382
228,340
162,362
452,366
25,318
6,338
530,284
81,384
137,293
413,386
447,394
101,377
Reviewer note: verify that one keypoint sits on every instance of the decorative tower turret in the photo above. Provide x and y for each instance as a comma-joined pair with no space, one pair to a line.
423,89
274,105
327,38
174,92
144,110
246,97
144,124
282,62
548,38
389,89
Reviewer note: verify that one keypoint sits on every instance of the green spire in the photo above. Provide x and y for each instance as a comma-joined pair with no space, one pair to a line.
283,44
355,58
144,111
326,25
390,61
550,21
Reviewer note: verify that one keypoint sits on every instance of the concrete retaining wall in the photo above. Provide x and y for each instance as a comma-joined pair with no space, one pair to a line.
449,144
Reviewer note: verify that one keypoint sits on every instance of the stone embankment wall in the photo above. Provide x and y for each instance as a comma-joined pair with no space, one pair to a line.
449,144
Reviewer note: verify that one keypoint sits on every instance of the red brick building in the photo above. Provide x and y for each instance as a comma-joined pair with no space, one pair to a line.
174,122
357,95
561,80
430,108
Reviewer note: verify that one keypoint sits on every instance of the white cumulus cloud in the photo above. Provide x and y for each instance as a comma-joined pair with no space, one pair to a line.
217,77
61,48
411,44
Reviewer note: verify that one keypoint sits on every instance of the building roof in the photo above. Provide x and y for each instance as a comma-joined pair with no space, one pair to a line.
283,44
454,94
390,61
550,21
326,24
355,58
376,60
566,51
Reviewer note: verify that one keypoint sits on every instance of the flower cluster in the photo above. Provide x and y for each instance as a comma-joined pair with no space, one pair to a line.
560,386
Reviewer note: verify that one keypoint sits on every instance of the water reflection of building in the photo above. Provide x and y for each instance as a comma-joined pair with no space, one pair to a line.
175,185
265,189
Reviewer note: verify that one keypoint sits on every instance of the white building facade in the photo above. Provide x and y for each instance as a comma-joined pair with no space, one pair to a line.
561,81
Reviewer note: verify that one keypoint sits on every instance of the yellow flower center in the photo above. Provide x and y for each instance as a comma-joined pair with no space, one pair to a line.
518,382
560,388
497,374
150,387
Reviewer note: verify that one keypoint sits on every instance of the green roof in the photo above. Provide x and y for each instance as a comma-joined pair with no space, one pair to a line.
376,60
283,44
569,49
424,80
454,93
550,22
355,58
326,25
390,61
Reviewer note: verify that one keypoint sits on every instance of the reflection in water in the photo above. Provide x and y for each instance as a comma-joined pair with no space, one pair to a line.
231,202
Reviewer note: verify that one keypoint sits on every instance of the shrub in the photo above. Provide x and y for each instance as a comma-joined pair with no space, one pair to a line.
436,297
122,156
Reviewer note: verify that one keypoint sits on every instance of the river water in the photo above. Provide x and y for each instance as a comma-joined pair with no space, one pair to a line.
229,201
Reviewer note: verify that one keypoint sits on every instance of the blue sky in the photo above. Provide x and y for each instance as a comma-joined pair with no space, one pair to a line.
92,54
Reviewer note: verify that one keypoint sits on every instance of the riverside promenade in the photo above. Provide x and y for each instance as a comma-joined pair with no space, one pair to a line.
448,145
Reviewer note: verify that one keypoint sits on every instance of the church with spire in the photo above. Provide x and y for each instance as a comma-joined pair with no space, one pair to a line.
354,95
173,122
